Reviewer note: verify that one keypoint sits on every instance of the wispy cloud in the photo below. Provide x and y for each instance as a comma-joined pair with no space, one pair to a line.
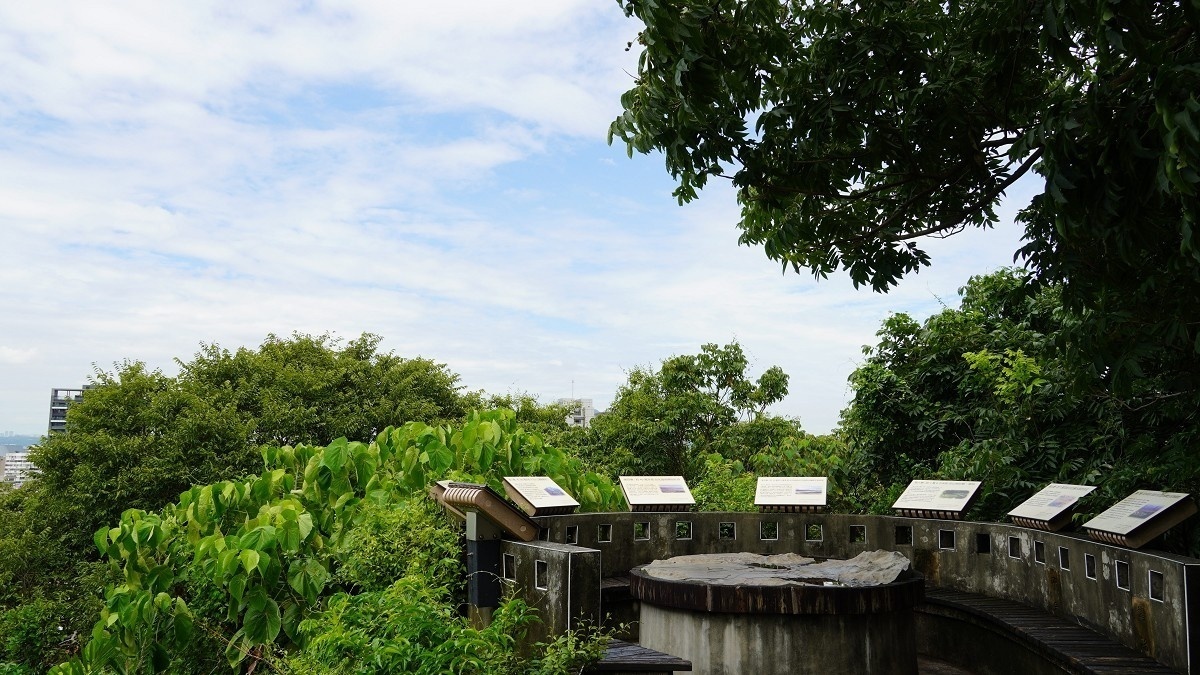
174,173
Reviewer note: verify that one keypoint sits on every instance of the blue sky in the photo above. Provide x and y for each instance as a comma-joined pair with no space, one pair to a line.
178,173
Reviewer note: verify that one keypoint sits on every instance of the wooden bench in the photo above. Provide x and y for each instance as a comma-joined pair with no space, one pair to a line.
1071,647
627,658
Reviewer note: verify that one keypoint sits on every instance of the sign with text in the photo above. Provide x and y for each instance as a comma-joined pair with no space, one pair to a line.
539,495
656,492
1135,511
791,491
1051,501
937,495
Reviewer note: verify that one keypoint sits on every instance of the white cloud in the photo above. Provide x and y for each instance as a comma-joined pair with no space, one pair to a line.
175,173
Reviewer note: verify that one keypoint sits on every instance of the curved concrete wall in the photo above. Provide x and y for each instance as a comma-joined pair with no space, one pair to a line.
1147,600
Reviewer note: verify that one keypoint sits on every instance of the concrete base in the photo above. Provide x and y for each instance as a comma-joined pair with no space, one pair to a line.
766,644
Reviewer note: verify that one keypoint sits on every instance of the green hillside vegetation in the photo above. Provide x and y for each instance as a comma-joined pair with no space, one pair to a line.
181,526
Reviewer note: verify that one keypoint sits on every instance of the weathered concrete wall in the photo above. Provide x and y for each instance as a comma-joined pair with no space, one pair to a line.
1164,624
560,581
773,644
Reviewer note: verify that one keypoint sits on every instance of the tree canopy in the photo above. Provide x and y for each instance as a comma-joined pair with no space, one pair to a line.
853,130
988,392
664,421
139,438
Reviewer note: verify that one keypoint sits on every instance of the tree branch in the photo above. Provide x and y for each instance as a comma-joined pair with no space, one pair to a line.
974,206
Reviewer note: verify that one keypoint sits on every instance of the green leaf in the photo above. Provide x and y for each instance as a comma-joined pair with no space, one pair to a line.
307,578
262,624
100,538
249,558
238,648
259,539
335,455
237,586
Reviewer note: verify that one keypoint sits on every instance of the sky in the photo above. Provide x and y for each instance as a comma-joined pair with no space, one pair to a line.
175,174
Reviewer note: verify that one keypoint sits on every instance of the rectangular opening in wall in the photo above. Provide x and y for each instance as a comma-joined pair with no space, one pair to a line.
1014,547
768,530
1156,586
572,534
946,540
508,566
814,532
1122,569
683,529
544,534
641,531
541,574
727,531
604,533
983,542
1064,558
1089,566
858,534
903,535
1039,553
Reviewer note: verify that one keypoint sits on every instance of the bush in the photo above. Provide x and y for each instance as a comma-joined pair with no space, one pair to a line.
394,540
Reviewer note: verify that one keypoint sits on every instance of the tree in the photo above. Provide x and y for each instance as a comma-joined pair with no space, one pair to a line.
668,419
139,438
853,131
241,564
988,392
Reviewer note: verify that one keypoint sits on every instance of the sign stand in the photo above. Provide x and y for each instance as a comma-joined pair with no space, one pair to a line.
539,496
791,494
943,499
1140,517
1051,508
657,493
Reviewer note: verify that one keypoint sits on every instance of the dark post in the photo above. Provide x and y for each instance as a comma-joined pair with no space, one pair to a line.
483,567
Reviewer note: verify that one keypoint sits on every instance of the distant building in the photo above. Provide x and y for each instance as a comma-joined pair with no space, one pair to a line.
59,400
16,468
582,412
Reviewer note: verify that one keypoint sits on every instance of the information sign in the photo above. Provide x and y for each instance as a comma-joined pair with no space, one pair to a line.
937,498
1140,517
1051,508
791,493
656,493
539,495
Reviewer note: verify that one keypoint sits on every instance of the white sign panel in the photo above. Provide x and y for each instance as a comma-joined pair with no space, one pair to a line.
540,491
791,491
648,490
1134,511
1051,501
937,495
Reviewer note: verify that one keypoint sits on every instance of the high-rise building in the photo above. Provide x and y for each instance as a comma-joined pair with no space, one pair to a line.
59,400
581,413
16,468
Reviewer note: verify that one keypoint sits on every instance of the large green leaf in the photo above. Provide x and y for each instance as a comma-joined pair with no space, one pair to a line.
307,578
262,621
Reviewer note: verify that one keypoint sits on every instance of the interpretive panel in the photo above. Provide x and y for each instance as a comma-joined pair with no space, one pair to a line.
937,498
1051,508
1140,517
791,493
656,493
539,495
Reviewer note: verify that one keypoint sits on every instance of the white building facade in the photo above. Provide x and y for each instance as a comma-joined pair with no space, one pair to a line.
581,413
16,468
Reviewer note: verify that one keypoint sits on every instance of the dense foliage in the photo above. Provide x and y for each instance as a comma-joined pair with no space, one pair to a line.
292,553
139,438
851,130
666,421
990,392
